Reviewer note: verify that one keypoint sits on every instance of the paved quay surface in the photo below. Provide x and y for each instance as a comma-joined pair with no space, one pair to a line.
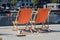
7,34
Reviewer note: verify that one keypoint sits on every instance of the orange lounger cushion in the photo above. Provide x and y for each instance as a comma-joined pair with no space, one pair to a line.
24,16
42,15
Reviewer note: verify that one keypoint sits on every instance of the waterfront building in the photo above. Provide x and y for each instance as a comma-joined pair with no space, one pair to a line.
25,3
5,2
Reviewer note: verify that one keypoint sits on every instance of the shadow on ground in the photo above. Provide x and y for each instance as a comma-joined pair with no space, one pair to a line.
55,31
5,34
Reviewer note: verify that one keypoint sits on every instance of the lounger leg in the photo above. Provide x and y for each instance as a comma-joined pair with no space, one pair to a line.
14,26
19,31
48,27
27,28
32,28
44,27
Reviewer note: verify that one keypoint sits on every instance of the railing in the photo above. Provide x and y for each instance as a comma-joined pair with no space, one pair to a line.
7,20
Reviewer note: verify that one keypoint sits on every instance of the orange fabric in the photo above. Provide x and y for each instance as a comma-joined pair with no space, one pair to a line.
42,15
24,16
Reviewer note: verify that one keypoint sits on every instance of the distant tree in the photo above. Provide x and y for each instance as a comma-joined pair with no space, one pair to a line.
35,2
13,2
54,1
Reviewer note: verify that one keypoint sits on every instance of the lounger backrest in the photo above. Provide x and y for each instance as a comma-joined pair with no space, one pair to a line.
42,15
24,16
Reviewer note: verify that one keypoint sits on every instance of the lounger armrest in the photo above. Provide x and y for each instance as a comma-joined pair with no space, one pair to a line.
32,21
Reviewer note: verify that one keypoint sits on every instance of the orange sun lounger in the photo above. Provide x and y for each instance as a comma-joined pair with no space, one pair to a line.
23,17
41,17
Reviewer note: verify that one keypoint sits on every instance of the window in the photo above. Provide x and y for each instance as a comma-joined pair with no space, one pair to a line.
23,4
31,4
9,0
4,5
26,0
22,0
26,3
8,4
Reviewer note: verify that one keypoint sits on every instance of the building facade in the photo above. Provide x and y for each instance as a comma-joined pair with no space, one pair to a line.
5,2
24,3
19,3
